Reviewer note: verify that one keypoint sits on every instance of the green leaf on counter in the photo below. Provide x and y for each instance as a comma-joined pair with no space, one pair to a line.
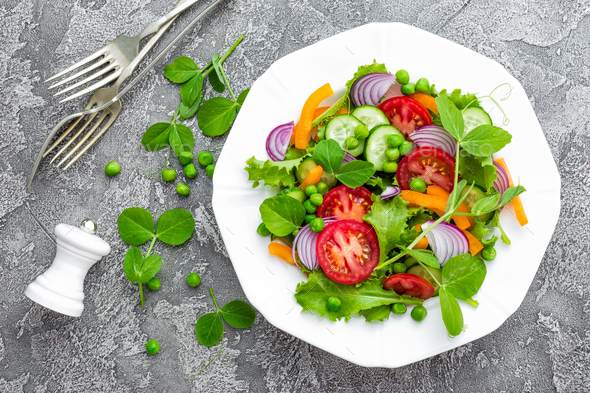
136,226
175,226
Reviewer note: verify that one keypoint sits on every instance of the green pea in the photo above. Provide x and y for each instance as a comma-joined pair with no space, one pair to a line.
183,189
152,347
112,169
402,76
392,154
488,253
185,158
190,171
334,304
399,308
309,218
399,267
210,169
418,185
419,313
262,230
361,132
317,225
310,208
154,284
408,88
310,190
323,188
389,166
316,199
295,232
422,85
394,140
351,142
193,280
168,174
205,158
405,148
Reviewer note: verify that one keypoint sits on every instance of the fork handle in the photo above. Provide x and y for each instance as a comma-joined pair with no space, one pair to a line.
154,26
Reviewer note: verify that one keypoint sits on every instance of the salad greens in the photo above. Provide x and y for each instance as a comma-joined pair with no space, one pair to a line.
282,214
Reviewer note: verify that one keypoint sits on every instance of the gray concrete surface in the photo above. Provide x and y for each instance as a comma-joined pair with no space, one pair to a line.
543,347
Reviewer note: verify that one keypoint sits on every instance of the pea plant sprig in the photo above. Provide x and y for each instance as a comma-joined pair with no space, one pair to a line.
136,227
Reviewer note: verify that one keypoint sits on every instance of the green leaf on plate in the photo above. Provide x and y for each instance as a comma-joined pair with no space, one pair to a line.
238,314
136,226
216,116
510,194
175,226
485,140
451,312
486,204
282,214
480,170
379,313
272,173
355,173
388,218
451,117
424,256
209,329
329,155
463,275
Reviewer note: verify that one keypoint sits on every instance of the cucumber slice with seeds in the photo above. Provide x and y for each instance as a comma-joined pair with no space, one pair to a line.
474,117
340,128
377,144
371,116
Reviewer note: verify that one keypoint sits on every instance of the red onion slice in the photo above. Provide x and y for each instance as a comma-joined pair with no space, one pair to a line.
435,136
304,245
370,88
502,183
446,241
348,158
390,192
278,141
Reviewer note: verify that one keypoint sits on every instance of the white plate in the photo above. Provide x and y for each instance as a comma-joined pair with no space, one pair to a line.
278,96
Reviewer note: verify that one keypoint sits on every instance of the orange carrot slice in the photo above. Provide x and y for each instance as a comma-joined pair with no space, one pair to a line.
474,245
428,101
282,251
428,201
313,177
462,222
516,202
422,244
303,128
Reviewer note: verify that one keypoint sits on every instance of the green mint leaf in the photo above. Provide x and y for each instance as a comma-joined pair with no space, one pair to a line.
136,226
480,170
216,116
451,312
486,204
238,314
209,329
355,173
282,214
496,223
510,194
388,219
424,256
189,111
451,117
242,98
216,83
329,155
461,101
156,137
381,182
463,275
272,173
181,138
191,89
480,231
175,226
313,296
485,140
182,69
379,313
138,269
455,195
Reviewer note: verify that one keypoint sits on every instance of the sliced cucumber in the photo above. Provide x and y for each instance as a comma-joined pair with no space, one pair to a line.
295,192
421,271
371,116
474,116
409,262
340,128
306,166
474,195
377,144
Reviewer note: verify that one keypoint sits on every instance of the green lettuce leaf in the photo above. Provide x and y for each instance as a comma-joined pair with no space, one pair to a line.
480,231
379,313
461,101
389,220
480,170
272,173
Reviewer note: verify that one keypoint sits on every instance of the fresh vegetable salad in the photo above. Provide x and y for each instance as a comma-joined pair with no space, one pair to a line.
385,203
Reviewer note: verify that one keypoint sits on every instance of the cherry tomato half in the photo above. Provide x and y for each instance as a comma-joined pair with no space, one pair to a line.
431,164
346,203
405,114
409,284
348,251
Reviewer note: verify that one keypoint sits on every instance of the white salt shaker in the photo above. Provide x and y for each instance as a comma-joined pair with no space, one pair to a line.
61,287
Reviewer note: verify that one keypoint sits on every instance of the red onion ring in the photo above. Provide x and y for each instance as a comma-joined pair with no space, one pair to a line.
304,245
502,182
446,241
390,192
348,158
278,141
435,136
370,88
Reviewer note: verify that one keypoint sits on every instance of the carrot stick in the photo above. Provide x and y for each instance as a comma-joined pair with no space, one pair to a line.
516,202
428,201
313,177
307,115
474,245
462,222
281,251
422,244
426,100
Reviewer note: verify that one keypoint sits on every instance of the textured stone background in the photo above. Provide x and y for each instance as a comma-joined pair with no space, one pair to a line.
544,346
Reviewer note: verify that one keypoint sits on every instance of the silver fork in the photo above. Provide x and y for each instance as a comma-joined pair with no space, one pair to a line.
101,101
115,57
